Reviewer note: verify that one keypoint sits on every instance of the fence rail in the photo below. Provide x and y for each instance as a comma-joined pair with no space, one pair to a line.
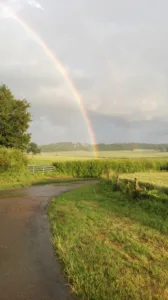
42,169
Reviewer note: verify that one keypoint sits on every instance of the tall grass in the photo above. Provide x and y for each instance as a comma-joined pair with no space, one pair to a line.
96,168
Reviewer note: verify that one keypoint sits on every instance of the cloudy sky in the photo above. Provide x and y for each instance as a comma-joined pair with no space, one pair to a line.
116,54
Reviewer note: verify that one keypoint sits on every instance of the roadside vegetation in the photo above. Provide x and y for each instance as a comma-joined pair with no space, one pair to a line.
14,171
111,244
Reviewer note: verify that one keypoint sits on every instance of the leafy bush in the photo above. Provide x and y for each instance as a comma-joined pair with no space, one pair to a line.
12,160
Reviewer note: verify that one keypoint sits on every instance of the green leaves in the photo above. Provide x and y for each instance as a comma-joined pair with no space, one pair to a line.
13,160
33,148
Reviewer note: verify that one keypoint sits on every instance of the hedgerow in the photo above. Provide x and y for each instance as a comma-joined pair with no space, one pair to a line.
98,167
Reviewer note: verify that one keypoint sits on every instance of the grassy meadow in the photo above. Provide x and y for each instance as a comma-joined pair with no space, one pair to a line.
111,246
48,158
155,178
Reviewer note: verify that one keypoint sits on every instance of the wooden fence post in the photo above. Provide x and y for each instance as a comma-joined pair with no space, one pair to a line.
136,185
117,183
108,175
136,188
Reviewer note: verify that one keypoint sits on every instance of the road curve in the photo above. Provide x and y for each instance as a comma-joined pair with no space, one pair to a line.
28,268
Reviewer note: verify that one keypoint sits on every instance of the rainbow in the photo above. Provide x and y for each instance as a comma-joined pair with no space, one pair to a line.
62,71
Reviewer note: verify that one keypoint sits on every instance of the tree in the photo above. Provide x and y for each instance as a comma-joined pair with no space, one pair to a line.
14,120
33,148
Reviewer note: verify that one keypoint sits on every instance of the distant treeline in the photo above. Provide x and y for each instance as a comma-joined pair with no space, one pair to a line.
132,147
68,146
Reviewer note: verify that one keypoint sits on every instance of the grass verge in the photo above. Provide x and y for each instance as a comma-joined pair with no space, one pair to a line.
11,180
110,247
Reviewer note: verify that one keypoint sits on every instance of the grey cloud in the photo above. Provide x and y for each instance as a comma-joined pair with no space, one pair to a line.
35,4
115,53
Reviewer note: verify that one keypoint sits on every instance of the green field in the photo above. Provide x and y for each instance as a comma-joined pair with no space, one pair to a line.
48,158
154,178
111,247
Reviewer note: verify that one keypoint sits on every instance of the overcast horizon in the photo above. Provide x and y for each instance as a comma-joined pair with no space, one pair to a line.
116,54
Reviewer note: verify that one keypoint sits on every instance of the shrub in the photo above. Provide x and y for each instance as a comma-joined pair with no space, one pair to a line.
12,160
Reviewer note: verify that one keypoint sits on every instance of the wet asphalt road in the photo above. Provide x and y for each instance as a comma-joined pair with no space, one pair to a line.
28,268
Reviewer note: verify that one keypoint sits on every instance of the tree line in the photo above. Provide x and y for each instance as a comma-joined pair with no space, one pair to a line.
132,147
67,146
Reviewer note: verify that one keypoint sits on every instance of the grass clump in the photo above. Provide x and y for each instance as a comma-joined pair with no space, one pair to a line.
15,180
110,246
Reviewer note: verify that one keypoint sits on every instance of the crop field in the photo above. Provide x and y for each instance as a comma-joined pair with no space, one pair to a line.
48,158
154,178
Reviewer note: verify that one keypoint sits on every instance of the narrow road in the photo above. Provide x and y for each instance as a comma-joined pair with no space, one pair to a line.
28,268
